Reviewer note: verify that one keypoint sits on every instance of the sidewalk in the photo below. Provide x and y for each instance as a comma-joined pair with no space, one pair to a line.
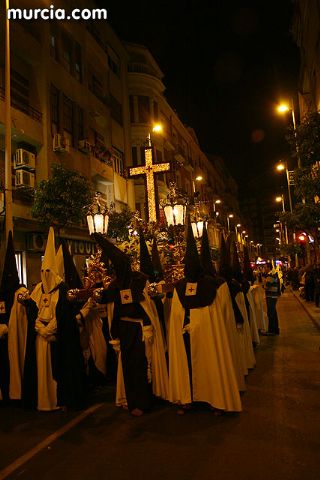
310,308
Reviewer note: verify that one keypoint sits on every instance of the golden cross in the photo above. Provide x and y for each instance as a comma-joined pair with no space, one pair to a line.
149,170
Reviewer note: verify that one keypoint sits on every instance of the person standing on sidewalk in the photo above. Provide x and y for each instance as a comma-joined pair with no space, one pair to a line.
272,289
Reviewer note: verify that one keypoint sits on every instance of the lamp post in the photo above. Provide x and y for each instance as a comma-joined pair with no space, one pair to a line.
284,108
279,199
8,172
228,220
282,165
198,178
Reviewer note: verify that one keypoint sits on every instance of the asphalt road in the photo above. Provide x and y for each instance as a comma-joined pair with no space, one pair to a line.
277,436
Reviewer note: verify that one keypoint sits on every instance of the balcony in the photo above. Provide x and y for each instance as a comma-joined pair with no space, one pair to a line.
22,106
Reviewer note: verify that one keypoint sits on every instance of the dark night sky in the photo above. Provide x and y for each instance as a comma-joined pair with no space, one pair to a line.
225,66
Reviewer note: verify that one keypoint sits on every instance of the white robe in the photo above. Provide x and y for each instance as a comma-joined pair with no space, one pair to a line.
47,386
17,338
261,316
246,333
213,376
97,347
156,352
224,302
253,318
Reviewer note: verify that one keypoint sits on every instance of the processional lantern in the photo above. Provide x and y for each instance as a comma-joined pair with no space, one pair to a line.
175,207
197,228
98,215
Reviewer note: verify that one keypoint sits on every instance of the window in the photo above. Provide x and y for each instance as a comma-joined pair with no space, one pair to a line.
116,109
54,52
134,156
54,109
78,123
66,52
144,109
67,120
78,62
117,157
20,88
95,85
114,65
142,156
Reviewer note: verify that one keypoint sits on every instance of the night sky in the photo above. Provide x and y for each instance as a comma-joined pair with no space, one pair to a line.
226,66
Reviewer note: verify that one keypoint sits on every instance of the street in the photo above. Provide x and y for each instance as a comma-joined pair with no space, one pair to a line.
277,436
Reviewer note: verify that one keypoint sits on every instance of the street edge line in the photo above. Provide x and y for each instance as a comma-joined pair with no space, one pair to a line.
47,441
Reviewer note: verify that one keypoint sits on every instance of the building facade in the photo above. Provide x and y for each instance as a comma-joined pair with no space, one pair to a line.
82,98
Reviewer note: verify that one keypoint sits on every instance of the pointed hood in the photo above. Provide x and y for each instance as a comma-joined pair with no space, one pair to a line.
59,262
247,270
49,271
119,260
236,267
205,255
146,266
192,266
71,275
225,260
157,267
10,278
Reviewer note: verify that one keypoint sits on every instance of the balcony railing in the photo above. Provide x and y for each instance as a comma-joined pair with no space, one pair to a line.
23,107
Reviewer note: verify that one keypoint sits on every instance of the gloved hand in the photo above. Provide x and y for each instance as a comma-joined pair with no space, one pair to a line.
3,330
90,310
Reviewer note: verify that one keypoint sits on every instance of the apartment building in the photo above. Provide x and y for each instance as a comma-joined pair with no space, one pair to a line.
306,31
69,98
177,144
82,98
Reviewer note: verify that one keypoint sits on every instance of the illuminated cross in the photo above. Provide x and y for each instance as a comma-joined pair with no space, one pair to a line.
126,297
191,289
149,170
2,307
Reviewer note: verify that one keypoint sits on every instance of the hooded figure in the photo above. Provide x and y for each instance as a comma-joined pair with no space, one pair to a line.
54,375
136,334
200,363
224,302
71,275
241,307
247,279
147,267
15,316
13,326
205,255
155,258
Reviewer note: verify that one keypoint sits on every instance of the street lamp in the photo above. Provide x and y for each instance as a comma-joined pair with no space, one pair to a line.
284,108
283,166
157,128
228,220
198,178
279,199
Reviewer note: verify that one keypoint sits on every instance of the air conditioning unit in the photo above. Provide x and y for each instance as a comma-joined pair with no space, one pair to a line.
60,143
24,178
84,146
23,158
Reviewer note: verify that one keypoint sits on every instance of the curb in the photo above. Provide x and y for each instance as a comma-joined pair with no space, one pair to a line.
315,320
